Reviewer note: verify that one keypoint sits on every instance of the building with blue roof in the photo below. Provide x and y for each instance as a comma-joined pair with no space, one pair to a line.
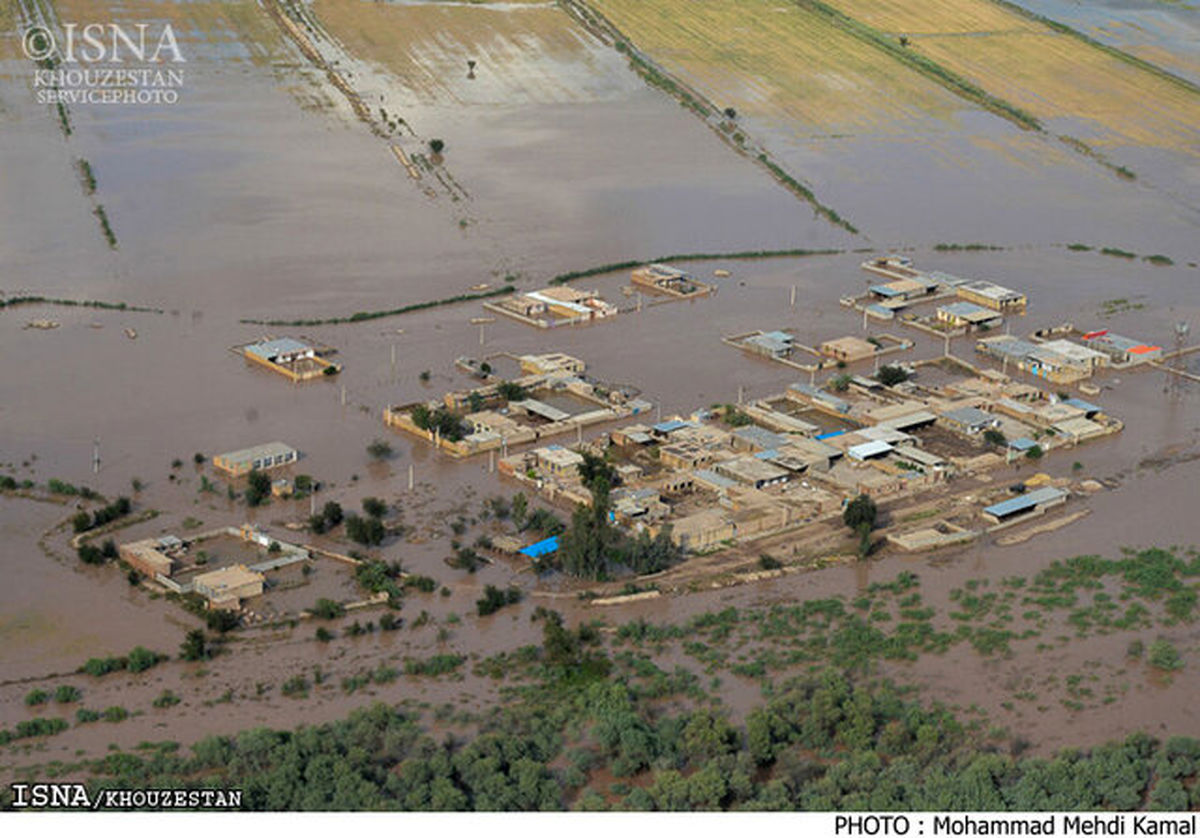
1025,504
540,548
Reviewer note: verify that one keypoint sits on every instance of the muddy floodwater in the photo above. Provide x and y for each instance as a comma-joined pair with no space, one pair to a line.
261,195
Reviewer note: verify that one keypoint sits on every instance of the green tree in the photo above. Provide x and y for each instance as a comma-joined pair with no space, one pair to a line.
258,487
890,376
194,646
859,515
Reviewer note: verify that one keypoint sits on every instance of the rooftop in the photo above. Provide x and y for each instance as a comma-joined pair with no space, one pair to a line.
1026,501
258,452
280,346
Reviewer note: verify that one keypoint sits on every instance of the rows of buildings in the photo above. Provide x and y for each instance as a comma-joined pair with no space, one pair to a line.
555,398
796,457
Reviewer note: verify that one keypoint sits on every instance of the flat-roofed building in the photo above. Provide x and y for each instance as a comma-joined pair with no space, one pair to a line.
259,457
963,313
991,295
551,362
684,455
669,280
754,438
1025,504
970,420
869,450
1123,351
1077,355
151,556
751,471
848,349
771,344
559,461
227,587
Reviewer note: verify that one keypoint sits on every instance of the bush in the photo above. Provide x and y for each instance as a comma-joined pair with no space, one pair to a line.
222,620
374,507
36,697
494,599
327,609
258,488
66,694
890,376
379,450
84,716
166,699
98,667
115,714
1164,656
140,659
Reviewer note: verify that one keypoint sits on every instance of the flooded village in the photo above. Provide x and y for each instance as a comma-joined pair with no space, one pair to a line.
418,321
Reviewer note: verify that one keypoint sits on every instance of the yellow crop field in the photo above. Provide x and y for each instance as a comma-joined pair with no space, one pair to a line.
1071,86
778,60
935,16
523,52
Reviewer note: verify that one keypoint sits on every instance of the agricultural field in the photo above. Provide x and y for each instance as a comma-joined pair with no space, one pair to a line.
1070,86
225,31
782,62
524,52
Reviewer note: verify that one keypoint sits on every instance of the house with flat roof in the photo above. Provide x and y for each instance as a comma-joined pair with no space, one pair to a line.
260,458
558,461
1026,504
969,315
870,450
751,471
969,420
848,349
290,358
770,344
227,587
1122,351
991,295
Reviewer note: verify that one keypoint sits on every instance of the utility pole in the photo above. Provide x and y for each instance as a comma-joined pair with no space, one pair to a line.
793,302
393,363
741,395
864,318
96,455
343,395
492,461
410,477
481,325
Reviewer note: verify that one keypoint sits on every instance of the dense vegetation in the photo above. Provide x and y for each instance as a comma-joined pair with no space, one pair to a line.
592,547
825,740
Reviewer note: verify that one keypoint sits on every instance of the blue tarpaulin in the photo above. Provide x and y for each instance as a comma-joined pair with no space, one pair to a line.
541,548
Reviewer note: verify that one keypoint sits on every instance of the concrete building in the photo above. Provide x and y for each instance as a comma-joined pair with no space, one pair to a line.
991,295
770,344
559,461
260,457
290,358
1122,351
751,471
1058,361
969,315
152,556
970,420
848,349
871,450
754,438
668,280
227,587
1028,503
551,362
684,456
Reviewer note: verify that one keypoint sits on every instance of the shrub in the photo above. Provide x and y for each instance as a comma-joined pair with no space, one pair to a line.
115,714
36,697
1164,656
141,659
67,694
